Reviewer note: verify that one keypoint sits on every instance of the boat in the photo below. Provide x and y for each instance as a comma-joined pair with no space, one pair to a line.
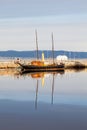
42,65
41,68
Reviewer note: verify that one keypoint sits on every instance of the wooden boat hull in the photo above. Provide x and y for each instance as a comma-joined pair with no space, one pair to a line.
41,74
48,68
41,70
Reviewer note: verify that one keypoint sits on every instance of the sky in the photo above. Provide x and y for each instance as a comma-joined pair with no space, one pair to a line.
66,19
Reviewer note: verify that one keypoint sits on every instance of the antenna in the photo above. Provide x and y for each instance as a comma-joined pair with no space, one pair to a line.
36,45
53,47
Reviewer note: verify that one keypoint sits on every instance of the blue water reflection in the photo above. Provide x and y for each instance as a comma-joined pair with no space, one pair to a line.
54,88
43,101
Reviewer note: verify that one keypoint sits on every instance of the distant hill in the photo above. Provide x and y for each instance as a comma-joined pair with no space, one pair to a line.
48,54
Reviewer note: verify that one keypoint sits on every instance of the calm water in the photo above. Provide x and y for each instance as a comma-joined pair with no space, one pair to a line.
44,101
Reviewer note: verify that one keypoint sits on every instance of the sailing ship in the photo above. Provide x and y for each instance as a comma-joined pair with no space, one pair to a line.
42,65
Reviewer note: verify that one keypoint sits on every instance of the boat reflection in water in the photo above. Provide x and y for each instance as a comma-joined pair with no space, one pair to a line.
42,76
61,104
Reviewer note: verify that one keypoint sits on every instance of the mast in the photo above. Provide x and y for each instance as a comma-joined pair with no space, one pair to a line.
53,47
36,45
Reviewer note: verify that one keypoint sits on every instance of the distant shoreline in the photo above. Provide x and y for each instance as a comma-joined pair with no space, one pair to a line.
47,53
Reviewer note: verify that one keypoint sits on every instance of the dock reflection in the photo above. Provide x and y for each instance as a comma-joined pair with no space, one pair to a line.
17,74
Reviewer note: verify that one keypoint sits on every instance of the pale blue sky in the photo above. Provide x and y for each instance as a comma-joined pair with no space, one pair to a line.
67,19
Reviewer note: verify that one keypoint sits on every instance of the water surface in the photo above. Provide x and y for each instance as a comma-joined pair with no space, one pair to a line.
43,101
